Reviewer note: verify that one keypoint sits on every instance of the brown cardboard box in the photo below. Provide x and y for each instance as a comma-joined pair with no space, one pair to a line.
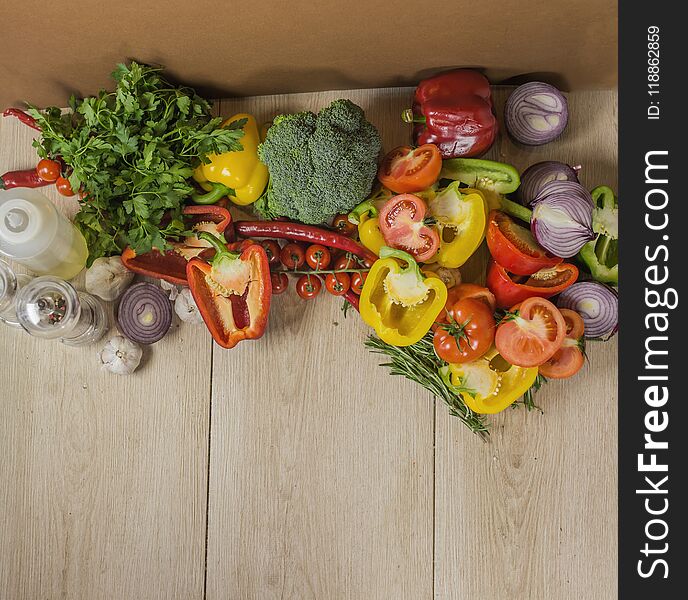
49,50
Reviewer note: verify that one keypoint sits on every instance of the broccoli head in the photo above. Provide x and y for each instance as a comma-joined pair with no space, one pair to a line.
320,164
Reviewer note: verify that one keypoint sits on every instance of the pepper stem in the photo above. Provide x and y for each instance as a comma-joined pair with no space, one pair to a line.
219,245
411,264
218,192
407,116
516,210
364,207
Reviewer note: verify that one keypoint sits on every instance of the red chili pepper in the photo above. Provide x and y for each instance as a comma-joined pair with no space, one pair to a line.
289,230
453,110
27,179
171,264
353,299
24,117
233,291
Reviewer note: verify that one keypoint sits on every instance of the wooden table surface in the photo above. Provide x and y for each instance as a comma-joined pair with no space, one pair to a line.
294,467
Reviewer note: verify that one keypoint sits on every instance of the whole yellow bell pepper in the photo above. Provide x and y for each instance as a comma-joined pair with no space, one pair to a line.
399,302
461,220
240,172
488,386
365,215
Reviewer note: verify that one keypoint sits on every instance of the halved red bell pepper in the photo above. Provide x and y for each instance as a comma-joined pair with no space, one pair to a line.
511,289
514,246
171,264
233,291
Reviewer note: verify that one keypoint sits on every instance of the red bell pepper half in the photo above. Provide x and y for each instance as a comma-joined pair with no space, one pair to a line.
171,264
233,291
453,110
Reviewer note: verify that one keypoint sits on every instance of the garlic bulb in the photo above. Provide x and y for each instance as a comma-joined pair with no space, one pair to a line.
120,355
171,289
107,278
185,307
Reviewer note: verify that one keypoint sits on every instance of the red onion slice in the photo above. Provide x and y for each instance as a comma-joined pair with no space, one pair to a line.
597,303
536,113
144,314
562,218
537,175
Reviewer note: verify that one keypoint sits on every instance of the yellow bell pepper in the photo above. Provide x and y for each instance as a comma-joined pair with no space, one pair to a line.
399,302
241,172
461,220
365,215
486,385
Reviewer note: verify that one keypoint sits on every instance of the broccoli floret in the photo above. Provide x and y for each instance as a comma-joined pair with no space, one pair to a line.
319,165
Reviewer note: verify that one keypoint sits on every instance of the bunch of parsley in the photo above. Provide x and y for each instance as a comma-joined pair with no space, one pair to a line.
132,152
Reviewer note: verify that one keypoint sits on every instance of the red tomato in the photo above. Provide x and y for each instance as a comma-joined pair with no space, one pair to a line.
64,187
342,224
402,226
515,248
470,290
272,249
510,290
406,169
280,282
337,284
532,334
308,286
569,359
48,170
318,257
293,256
357,281
465,333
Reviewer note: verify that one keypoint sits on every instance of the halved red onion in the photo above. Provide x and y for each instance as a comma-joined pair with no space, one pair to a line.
537,175
597,303
562,218
536,113
144,314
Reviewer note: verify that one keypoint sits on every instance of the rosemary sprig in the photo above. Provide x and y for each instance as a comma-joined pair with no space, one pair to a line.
528,399
418,362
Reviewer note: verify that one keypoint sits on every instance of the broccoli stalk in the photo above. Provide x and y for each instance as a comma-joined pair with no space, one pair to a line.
320,164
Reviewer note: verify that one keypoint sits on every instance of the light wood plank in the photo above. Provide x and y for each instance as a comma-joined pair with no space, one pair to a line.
532,514
321,464
103,478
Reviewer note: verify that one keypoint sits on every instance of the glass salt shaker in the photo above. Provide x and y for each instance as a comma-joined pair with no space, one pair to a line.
50,308
10,284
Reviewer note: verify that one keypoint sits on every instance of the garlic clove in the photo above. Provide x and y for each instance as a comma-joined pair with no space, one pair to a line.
171,289
186,308
107,278
120,355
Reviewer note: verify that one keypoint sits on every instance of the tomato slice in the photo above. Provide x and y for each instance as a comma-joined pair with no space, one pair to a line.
514,246
569,359
531,334
402,226
406,169
510,290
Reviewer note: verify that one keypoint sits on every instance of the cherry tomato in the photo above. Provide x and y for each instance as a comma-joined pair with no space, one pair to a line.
350,262
337,284
569,359
64,187
466,331
510,290
318,257
308,286
532,334
272,249
292,256
48,170
402,226
470,290
342,224
515,248
357,281
406,169
280,282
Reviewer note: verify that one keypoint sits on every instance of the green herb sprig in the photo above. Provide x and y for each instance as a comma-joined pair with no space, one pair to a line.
131,152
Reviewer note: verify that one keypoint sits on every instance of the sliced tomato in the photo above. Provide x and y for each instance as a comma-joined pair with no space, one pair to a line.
511,289
514,246
406,169
402,226
569,359
531,333
470,290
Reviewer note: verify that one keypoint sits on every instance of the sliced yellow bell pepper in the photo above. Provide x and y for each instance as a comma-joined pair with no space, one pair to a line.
399,302
461,220
241,172
488,385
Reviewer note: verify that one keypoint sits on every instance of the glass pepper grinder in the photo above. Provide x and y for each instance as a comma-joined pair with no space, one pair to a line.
50,308
10,284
